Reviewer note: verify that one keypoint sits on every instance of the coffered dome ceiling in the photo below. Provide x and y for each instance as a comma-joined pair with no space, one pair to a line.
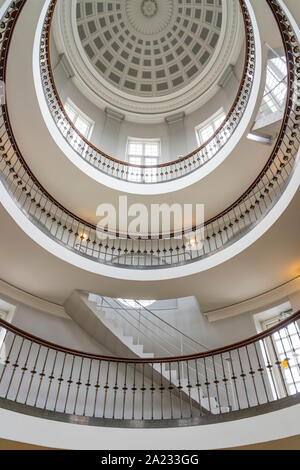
149,58
149,47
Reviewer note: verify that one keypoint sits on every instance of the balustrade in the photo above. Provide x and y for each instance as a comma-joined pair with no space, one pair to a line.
173,249
258,371
151,173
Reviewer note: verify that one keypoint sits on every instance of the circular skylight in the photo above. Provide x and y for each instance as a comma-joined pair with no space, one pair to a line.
149,47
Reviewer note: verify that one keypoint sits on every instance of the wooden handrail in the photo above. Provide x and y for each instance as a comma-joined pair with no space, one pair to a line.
213,352
161,165
206,387
250,188
281,132
36,181
172,234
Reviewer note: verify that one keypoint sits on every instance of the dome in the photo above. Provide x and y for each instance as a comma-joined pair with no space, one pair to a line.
148,59
149,47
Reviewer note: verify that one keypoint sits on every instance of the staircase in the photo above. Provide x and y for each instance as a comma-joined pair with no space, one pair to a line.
108,326
109,318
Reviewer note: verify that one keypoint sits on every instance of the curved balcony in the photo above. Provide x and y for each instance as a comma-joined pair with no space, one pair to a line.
142,174
166,250
254,376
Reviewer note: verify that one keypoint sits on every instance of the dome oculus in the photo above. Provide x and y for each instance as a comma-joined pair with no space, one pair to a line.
149,8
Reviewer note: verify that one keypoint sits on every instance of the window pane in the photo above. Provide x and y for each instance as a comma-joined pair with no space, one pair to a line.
135,160
271,80
82,126
135,148
70,112
206,133
152,149
219,121
285,348
151,161
268,102
207,130
280,64
143,152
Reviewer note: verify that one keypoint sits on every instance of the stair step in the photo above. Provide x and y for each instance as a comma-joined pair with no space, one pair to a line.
128,340
170,372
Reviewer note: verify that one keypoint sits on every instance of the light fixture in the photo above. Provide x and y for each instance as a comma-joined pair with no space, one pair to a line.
83,236
192,241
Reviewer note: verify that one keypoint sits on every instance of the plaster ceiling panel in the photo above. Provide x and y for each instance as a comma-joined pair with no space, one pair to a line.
149,47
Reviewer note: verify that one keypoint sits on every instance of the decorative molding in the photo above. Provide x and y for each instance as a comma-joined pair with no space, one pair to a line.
148,56
18,295
112,114
175,118
147,16
138,108
255,304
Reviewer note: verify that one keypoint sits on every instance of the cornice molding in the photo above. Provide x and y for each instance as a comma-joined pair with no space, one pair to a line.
111,113
174,118
256,304
18,295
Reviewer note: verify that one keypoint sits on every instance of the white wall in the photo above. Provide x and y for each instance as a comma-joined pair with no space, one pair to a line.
277,425
61,331
184,314
295,301
224,98
115,143
189,319
67,89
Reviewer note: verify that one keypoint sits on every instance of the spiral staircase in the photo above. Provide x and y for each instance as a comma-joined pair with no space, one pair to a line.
155,71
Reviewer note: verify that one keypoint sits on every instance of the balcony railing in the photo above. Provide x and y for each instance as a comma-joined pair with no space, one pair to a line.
259,371
141,173
140,327
171,249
